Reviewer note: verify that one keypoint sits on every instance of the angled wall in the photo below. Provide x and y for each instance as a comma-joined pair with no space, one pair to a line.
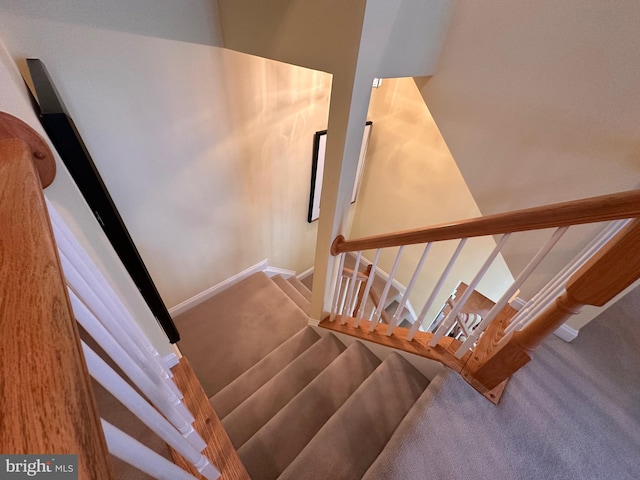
538,103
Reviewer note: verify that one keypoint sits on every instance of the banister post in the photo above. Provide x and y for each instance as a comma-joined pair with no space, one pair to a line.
612,269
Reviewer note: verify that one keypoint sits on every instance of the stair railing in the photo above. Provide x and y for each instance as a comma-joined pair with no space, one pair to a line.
615,208
46,392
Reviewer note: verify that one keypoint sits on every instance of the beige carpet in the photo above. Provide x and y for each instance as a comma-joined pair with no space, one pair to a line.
226,335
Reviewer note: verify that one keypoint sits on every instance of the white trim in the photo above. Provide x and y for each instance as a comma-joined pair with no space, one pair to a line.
171,360
305,274
566,333
212,291
313,322
518,303
273,271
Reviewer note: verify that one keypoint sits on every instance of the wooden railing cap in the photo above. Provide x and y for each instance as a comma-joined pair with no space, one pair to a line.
41,155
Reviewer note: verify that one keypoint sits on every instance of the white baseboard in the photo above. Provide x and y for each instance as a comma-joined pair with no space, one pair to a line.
273,271
305,274
171,360
566,333
210,292
518,303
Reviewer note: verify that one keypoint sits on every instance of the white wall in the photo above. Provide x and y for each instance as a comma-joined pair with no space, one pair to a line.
206,152
411,180
539,102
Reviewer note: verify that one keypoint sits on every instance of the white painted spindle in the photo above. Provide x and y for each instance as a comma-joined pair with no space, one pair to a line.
68,244
451,318
554,288
352,288
524,275
89,297
396,316
164,400
131,399
367,289
383,297
343,297
143,458
337,288
435,291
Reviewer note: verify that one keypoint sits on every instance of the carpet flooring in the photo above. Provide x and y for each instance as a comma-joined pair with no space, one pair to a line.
573,413
232,331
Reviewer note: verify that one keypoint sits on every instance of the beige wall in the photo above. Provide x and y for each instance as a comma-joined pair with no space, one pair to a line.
411,180
206,152
539,103
65,197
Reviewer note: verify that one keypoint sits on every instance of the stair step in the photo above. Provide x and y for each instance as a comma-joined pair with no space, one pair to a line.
350,441
301,287
391,310
278,443
246,384
229,333
406,441
246,419
292,293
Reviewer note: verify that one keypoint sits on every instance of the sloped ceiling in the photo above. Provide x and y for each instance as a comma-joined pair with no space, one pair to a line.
539,102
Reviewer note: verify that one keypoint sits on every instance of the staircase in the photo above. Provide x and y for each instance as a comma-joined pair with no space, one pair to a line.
311,408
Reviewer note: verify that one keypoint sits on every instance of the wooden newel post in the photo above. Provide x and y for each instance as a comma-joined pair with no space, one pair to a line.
607,273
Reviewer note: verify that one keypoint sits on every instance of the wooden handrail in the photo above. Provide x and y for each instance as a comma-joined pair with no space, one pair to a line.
612,269
589,210
45,391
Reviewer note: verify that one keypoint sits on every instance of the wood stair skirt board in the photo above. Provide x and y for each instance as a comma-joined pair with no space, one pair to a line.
443,353
262,266
219,450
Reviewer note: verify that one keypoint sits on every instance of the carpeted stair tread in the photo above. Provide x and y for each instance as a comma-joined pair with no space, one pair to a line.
276,444
223,336
352,438
298,285
246,419
292,293
386,466
246,384
308,281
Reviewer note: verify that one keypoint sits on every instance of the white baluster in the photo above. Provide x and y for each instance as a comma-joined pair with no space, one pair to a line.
396,316
343,297
352,287
134,453
131,399
105,296
385,291
141,356
435,291
157,393
524,275
367,289
555,287
336,292
451,318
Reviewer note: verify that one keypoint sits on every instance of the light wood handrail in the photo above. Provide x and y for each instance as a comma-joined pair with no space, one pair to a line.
589,210
612,269
45,390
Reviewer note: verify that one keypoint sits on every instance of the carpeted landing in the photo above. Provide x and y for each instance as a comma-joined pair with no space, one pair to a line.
303,406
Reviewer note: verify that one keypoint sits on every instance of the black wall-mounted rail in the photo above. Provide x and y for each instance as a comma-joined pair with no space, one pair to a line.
68,142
